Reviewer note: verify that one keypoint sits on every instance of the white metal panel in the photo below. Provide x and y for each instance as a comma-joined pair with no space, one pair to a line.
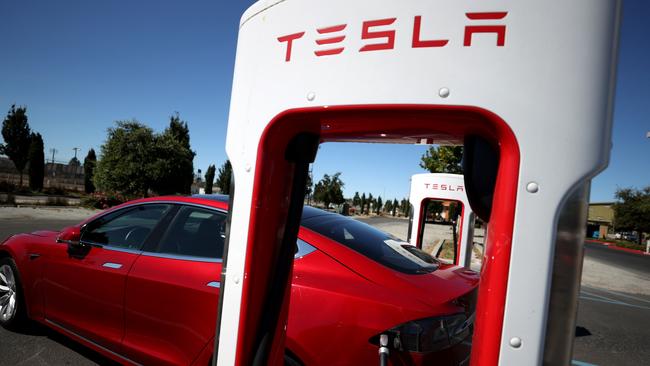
440,186
550,82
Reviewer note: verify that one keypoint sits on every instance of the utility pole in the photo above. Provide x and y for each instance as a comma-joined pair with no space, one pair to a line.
53,151
75,151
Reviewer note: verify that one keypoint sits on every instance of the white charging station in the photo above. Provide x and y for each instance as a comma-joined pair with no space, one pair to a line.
533,80
443,187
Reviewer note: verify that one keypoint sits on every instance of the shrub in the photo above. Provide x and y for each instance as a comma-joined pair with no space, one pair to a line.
102,200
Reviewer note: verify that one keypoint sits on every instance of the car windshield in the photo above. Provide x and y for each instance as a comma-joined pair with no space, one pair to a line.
372,243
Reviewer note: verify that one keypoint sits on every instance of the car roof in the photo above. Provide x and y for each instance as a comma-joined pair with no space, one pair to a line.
213,197
307,212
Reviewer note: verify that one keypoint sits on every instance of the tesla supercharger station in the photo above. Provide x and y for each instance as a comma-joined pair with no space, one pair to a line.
443,187
525,86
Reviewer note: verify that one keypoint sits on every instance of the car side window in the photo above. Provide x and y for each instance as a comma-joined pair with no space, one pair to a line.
127,228
196,232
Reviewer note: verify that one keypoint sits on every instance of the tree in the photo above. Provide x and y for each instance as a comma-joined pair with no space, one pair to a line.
443,159
74,161
174,143
379,205
36,167
209,179
17,136
388,206
134,160
356,200
363,202
404,207
309,184
329,190
224,177
395,204
90,163
126,160
632,210
370,202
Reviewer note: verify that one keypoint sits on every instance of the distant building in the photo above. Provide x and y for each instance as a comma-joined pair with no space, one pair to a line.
69,177
600,221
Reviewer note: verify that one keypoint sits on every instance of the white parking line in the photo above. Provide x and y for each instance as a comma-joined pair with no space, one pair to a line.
595,297
626,296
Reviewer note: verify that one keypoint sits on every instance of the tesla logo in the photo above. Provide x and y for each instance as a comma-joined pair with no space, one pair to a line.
331,39
444,187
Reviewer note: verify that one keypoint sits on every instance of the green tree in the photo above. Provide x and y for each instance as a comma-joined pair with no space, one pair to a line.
209,179
225,177
17,135
126,160
309,184
90,163
388,206
356,200
174,142
379,205
329,190
134,160
370,202
168,171
74,161
36,167
404,207
363,202
632,210
395,204
443,159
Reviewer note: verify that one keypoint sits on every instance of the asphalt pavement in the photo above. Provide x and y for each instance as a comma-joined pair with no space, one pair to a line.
617,323
614,326
39,345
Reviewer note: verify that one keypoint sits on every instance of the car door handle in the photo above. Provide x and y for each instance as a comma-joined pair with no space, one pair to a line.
112,265
216,284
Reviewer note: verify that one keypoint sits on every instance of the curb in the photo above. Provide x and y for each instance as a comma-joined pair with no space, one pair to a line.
612,245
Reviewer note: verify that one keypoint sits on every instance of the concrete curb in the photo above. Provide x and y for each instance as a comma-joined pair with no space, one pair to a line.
612,245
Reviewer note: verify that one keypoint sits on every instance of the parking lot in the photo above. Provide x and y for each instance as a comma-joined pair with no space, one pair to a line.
612,323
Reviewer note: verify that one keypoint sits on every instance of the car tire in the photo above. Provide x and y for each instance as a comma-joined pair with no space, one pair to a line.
289,360
13,313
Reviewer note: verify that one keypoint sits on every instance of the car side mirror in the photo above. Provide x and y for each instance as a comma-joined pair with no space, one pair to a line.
70,236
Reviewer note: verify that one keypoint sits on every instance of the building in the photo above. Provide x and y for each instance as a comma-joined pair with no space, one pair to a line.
600,221
69,177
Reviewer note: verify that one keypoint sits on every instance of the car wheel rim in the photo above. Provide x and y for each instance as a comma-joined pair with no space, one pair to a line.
7,293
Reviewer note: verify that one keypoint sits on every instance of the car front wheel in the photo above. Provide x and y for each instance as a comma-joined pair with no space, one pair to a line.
12,309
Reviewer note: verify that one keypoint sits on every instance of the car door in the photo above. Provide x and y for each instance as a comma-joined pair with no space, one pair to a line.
84,285
172,290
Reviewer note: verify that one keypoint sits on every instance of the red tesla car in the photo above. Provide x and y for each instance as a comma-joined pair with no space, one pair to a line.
139,283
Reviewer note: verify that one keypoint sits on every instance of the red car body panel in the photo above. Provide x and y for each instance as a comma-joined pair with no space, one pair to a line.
170,310
86,297
160,310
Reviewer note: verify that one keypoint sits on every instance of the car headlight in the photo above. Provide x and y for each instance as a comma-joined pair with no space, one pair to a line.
429,334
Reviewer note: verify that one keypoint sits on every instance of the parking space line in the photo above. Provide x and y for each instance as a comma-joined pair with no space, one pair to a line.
626,296
596,296
614,302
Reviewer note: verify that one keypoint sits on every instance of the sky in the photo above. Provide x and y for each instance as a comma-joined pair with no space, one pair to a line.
79,66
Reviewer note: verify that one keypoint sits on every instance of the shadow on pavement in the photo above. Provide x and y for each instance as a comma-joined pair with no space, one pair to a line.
33,328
